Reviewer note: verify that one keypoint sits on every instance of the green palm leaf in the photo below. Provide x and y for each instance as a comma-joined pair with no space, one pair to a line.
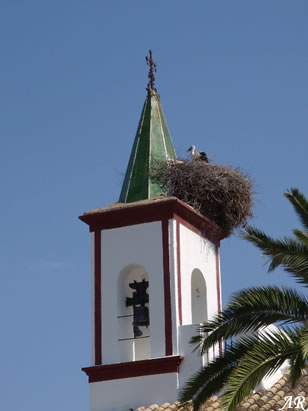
266,356
301,236
291,254
238,372
299,203
210,379
252,309
304,342
297,365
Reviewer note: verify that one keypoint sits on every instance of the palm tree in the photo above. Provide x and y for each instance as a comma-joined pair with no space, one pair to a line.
258,352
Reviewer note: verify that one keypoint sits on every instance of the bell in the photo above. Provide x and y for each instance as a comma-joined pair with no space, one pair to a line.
140,297
141,316
137,332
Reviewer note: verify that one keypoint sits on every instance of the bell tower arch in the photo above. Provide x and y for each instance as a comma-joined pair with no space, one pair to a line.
134,332
198,297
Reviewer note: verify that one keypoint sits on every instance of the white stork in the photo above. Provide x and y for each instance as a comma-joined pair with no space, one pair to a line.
197,155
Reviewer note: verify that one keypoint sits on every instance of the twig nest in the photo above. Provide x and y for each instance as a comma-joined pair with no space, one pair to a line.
221,193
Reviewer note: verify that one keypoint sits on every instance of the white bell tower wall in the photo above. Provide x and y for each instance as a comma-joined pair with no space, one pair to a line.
196,274
136,253
128,254
198,259
175,250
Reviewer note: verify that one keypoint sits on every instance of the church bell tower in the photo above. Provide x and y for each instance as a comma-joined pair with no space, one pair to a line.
156,277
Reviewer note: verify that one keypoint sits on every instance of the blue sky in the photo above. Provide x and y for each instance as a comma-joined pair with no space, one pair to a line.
233,80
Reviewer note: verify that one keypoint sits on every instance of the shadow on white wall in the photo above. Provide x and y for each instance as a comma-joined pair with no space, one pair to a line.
198,297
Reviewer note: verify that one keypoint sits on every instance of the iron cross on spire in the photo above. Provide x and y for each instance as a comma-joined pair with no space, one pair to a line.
151,73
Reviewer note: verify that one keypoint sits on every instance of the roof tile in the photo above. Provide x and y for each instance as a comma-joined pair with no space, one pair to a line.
270,400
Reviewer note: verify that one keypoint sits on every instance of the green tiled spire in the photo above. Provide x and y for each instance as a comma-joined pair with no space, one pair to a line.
152,143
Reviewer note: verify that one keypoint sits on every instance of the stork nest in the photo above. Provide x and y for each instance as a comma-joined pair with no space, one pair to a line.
221,193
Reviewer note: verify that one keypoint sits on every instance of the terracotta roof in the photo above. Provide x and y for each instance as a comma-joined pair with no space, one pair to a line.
271,400
120,206
121,214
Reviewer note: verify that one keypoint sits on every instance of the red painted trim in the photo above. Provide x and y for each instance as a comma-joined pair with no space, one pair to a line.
133,369
156,210
97,299
178,257
167,292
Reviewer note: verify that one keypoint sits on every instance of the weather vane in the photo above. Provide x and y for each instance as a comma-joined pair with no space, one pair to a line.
151,73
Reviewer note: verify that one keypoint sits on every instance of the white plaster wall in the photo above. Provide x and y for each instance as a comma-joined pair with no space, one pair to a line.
197,253
121,395
192,360
173,284
139,245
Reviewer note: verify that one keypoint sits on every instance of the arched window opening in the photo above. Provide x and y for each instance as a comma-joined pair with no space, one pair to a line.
133,313
198,297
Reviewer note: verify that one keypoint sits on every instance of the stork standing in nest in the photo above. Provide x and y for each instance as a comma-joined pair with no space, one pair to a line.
197,155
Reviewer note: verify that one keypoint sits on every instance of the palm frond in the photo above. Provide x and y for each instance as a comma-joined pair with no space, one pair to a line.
211,378
252,309
288,253
304,341
300,204
249,311
213,386
301,236
207,383
264,359
297,365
